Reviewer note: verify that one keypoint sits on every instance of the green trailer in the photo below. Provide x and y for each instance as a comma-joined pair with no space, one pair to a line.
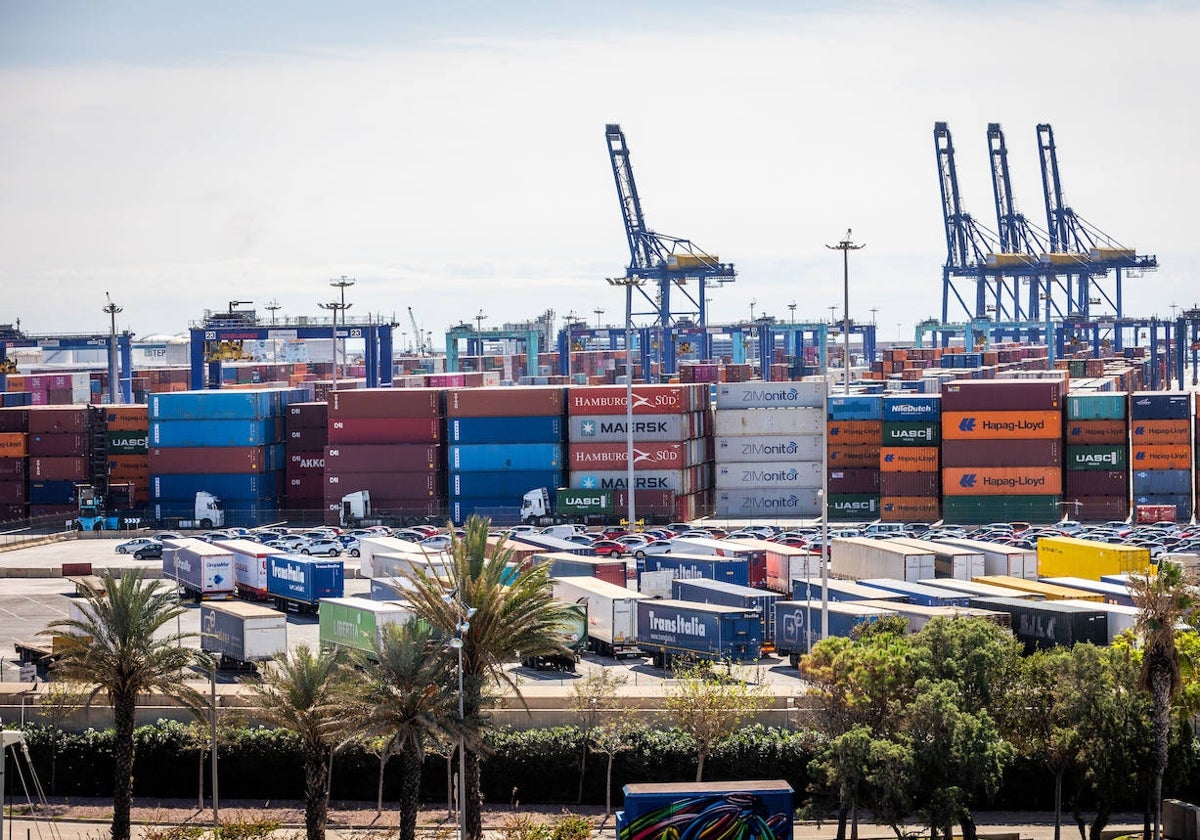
356,623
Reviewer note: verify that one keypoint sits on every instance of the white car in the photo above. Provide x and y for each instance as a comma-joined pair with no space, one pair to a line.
330,548
130,546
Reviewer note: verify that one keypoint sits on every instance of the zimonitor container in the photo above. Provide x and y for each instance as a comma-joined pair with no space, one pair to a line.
1158,482
614,428
742,449
798,623
1070,557
1044,624
769,421
909,484
1096,432
1001,453
1096,407
857,558
756,394
210,459
647,399
799,475
767,502
1099,458
499,485
1001,425
911,434
506,402
385,404
646,455
949,561
1160,432
383,457
611,610
1161,457
383,429
854,432
213,433
357,623
669,629
58,445
1022,395
997,481
911,408
703,591
505,457
1160,405
242,632
909,459
491,430
1095,483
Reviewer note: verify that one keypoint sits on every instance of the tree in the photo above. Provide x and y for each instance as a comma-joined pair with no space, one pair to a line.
498,617
1163,601
609,725
710,707
297,693
403,698
119,652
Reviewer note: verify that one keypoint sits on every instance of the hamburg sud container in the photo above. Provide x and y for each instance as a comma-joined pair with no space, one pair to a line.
306,430
1161,453
909,466
502,443
999,429
672,442
386,441
228,443
855,437
1095,479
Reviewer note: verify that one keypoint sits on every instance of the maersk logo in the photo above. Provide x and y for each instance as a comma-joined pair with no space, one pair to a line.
679,625
587,428
967,424
967,480
589,482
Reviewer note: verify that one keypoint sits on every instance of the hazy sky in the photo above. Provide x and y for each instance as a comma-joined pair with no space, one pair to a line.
451,156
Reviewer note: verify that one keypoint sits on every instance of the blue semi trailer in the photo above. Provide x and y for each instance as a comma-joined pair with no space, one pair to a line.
300,583
670,630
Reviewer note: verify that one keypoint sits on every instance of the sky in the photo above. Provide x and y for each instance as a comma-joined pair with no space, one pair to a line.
450,157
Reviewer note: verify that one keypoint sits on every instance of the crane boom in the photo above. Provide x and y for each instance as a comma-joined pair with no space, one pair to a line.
418,342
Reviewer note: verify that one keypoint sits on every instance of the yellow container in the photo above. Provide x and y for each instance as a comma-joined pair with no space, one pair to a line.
1047,591
1088,559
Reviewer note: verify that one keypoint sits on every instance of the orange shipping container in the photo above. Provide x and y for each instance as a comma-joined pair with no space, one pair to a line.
14,445
1096,432
1161,432
127,418
909,508
847,432
1162,458
1001,481
1001,425
908,459
848,457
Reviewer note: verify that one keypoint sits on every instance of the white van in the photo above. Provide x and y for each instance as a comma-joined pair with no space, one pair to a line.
560,531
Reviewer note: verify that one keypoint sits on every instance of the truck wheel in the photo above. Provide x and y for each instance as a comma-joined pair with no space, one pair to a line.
205,523
794,660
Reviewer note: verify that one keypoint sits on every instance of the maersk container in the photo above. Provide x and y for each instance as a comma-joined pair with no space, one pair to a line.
767,502
611,611
203,570
858,558
507,457
302,582
229,487
748,809
999,559
613,428
911,408
949,561
1160,405
682,482
202,433
357,624
806,589
680,565
1046,624
795,636
249,565
506,484
572,565
921,593
492,430
769,421
240,404
1162,482
799,475
669,629
731,595
547,543
1096,407
1068,556
756,394
756,554
1114,593
740,449
242,633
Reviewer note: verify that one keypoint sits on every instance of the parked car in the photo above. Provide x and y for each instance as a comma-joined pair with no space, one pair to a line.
288,541
168,535
352,547
130,546
609,548
581,539
328,547
149,551
440,542
652,547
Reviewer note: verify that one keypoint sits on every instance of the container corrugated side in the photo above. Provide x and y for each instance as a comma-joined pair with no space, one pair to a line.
769,421
757,394
1070,557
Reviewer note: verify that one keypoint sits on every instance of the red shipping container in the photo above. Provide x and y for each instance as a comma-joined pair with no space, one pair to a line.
646,456
9,513
860,480
645,503
14,419
383,403
310,487
1079,483
1098,508
1146,514
309,438
391,486
909,508
1001,453
1001,481
12,492
506,402
62,445
58,419
384,430
910,484
647,399
1004,395
13,467
374,457
58,469
127,418
301,464
207,460
310,415
1096,432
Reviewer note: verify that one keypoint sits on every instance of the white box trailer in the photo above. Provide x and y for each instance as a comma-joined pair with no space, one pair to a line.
857,558
785,563
391,553
205,571
242,633
611,611
949,561
1001,559
249,565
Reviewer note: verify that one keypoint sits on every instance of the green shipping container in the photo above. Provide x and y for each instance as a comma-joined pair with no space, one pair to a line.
355,623
1077,368
1096,406
1112,457
128,443
584,502
912,434
852,507
980,510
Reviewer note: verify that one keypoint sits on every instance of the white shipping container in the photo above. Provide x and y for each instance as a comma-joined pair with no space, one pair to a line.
799,475
245,632
1002,559
768,448
770,503
735,395
612,612
769,421
368,547
950,561
857,558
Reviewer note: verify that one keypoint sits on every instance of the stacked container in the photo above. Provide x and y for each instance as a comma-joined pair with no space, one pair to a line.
1002,450
127,448
672,439
502,443
1095,481
768,448
855,435
306,428
227,443
910,480
1161,450
14,463
386,441
58,445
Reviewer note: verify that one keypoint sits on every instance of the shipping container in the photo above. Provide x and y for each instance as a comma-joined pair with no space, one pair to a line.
683,482
767,503
242,633
385,403
1100,508
1097,432
868,407
853,456
1161,432
1077,483
1106,458
384,487
491,430
853,507
975,589
215,433
1001,425
204,571
249,565
1046,624
1160,405
397,457
841,481
926,484
383,429
214,459
510,485
799,475
1162,457
1001,481
1026,395
1068,556
1096,407
1048,591
614,428
515,457
999,559
857,558
647,399
506,402
55,419
58,469
1162,482
949,561
910,508
608,569
1001,453
793,620
646,455
611,609
58,445
357,623
51,492
916,592
229,487
670,630
302,582
757,394
770,421
854,432
1114,593
128,443
14,444
769,448
911,434
239,404
910,408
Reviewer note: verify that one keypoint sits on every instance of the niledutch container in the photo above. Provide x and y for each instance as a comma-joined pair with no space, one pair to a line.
911,408
492,430
758,448
733,395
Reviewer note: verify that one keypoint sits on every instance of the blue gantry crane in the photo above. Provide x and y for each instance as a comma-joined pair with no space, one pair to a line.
667,263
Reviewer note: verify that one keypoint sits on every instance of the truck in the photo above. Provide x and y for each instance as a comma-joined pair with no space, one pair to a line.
242,634
249,566
539,507
202,570
611,613
756,555
385,556
92,515
548,544
1045,624
670,630
572,633
301,583
208,512
860,557
840,591
999,559
355,509
795,636
731,595
728,569
357,624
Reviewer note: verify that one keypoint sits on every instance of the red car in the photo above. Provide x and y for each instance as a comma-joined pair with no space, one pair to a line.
609,548
612,532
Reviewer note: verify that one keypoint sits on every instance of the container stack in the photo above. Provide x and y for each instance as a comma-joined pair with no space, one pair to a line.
1161,450
127,448
769,437
386,441
672,440
502,442
1095,481
58,458
1002,450
306,429
910,476
14,463
854,439
235,452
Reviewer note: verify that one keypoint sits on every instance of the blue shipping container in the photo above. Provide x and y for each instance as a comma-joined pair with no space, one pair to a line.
921,594
911,409
1160,405
856,408
502,485
1182,503
756,809
669,629
731,595
505,430
51,493
793,635
248,404
728,569
500,511
505,457
839,590
200,433
1096,406
17,399
229,487
304,580
1159,482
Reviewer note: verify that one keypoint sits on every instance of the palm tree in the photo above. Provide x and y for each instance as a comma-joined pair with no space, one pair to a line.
122,654
1163,600
497,619
402,696
298,693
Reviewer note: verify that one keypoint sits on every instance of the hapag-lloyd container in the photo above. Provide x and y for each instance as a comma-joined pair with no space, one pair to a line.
850,432
612,428
796,475
909,459
1002,453
1160,432
770,421
1001,425
505,402
385,403
384,429
734,395
850,457
511,485
475,430
1103,458
646,455
853,481
382,485
768,448
127,418
908,484
911,408
1096,432
909,508
505,457
1077,483
1161,457
1160,405
999,481
1022,395
647,399
767,502
374,457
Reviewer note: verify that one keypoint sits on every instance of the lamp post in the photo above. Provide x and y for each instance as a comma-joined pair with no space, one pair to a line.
342,283
113,386
461,628
629,283
792,313
598,313
335,307
846,246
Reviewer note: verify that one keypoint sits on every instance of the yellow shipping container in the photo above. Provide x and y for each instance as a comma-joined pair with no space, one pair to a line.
1048,591
1088,559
